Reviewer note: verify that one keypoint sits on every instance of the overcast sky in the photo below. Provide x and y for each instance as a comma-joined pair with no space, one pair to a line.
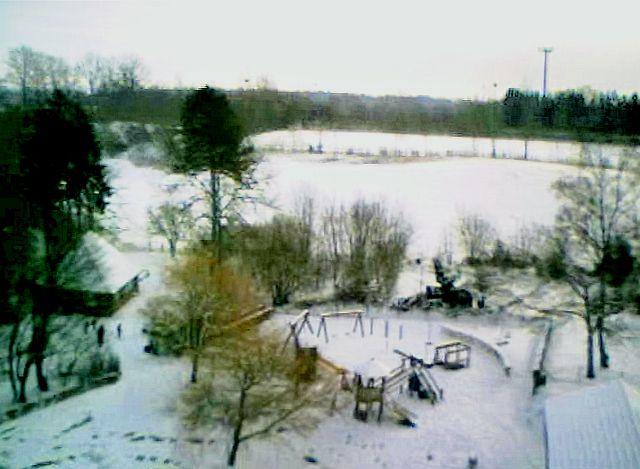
445,48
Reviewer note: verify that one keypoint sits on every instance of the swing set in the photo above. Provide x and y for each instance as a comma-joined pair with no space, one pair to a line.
356,314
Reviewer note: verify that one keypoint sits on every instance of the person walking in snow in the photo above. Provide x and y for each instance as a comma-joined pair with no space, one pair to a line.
119,330
100,335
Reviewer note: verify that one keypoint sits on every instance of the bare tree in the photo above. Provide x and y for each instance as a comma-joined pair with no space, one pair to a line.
172,221
528,241
446,248
35,72
58,74
600,208
92,68
366,248
23,64
252,392
131,72
476,235
280,253
334,239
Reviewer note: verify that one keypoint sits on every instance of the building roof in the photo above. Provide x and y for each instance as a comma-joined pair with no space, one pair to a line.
594,428
96,266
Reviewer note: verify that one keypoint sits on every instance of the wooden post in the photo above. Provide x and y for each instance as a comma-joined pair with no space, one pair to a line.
326,332
386,328
322,327
370,326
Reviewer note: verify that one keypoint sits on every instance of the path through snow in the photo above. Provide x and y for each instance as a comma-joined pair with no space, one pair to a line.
129,424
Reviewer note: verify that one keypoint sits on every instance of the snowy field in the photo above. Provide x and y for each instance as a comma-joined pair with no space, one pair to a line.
133,423
431,195
406,145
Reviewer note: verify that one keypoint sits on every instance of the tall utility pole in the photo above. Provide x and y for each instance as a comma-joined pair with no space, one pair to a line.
546,51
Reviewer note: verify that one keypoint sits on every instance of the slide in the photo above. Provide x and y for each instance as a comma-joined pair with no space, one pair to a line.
424,382
429,382
396,380
401,412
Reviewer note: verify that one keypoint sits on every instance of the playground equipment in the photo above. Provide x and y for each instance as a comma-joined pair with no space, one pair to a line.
258,315
306,357
421,381
379,391
452,355
161,341
296,326
356,314
366,396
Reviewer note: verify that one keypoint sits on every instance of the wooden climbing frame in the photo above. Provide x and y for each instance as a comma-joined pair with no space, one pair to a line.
366,396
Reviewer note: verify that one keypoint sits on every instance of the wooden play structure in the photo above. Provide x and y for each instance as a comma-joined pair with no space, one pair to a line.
296,326
161,341
252,317
452,355
306,357
380,390
366,396
357,322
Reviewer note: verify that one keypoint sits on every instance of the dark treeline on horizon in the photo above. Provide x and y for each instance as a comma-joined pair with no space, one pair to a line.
524,114
605,113
112,89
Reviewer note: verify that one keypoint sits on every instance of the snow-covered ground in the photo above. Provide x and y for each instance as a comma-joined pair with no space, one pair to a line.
111,426
484,412
407,145
134,424
431,195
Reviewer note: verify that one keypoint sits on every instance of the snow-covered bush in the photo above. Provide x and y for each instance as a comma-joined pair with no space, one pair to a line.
142,144
100,363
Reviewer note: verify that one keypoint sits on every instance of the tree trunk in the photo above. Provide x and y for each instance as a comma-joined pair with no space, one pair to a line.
11,356
590,369
43,385
237,431
23,81
194,367
22,398
604,356
172,248
280,296
215,212
38,343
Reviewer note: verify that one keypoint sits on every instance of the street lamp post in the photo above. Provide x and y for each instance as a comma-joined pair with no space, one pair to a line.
546,51
493,123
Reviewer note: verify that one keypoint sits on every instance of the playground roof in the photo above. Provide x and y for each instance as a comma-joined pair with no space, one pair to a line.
372,368
596,427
